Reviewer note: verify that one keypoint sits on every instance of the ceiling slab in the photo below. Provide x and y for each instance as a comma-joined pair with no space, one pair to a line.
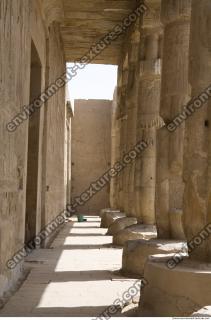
87,21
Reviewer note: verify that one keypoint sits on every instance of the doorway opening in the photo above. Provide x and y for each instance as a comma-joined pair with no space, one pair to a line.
92,90
33,149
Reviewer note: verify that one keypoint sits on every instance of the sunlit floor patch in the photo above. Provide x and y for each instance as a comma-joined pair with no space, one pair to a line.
75,277
86,293
88,240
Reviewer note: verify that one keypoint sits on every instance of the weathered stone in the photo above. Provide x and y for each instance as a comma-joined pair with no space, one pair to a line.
109,217
31,58
174,96
115,141
131,106
148,114
136,253
170,147
163,59
123,127
179,291
197,151
134,232
102,211
89,21
121,224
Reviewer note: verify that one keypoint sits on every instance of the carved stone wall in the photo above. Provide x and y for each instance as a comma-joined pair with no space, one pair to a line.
21,22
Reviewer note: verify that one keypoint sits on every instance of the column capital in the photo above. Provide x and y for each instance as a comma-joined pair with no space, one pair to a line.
151,32
53,11
151,18
135,37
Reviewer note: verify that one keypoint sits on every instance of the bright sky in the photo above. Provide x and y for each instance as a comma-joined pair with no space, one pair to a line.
95,81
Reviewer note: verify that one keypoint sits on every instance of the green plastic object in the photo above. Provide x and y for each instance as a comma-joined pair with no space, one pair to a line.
81,218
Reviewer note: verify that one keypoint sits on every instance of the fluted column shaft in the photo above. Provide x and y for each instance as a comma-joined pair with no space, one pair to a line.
114,151
175,17
123,80
148,117
132,101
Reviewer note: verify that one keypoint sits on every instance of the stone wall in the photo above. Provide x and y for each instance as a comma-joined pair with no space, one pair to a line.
55,131
91,150
21,24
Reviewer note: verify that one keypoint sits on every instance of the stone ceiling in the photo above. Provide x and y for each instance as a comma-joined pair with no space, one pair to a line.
84,22
87,21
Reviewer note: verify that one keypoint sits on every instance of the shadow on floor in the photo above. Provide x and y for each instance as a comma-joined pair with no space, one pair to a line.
67,280
82,311
85,247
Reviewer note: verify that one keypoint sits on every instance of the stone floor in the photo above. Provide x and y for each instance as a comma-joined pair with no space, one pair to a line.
76,276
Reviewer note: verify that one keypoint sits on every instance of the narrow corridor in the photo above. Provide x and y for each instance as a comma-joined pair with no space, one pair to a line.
74,277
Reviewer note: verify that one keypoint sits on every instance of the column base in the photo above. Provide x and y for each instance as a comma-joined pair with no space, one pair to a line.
135,232
177,292
136,252
121,224
103,211
109,217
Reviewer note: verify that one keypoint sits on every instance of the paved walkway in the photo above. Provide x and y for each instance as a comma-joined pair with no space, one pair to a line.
75,277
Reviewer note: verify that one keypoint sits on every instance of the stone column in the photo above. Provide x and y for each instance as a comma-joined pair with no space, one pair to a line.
123,79
118,147
147,99
128,112
175,16
165,157
132,101
112,195
197,195
148,118
177,279
114,152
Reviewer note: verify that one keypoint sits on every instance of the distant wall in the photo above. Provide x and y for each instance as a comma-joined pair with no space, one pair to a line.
91,150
